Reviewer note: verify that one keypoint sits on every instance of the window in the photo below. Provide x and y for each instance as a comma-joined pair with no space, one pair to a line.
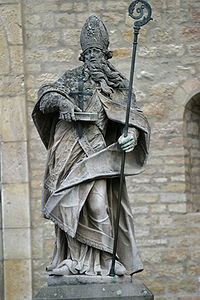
192,153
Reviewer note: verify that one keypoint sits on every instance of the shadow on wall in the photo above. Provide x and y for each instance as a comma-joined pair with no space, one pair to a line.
192,153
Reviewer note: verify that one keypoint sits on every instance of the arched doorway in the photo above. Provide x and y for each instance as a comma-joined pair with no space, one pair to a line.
192,153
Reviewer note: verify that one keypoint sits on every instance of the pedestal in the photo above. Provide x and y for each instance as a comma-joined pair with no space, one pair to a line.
73,288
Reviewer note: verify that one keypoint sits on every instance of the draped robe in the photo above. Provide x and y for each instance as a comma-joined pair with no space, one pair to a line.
73,167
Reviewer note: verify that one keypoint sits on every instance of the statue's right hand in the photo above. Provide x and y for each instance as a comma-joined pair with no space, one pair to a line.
67,110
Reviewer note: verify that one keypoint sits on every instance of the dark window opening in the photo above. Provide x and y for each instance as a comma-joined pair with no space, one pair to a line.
192,153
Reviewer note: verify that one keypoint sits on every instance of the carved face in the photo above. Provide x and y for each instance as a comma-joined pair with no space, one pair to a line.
93,55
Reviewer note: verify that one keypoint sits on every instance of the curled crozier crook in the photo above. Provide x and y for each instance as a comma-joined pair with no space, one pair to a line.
140,17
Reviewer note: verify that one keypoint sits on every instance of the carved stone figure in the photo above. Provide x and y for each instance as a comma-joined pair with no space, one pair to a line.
82,172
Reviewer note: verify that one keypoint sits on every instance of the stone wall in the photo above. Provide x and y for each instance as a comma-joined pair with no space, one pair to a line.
1,242
167,77
14,167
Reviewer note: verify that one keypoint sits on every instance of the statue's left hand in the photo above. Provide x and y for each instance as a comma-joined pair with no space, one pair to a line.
67,110
129,142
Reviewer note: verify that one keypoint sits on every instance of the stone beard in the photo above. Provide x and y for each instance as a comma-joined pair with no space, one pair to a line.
81,181
105,74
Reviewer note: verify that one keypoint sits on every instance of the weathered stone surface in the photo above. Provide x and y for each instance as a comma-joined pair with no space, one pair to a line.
16,205
33,67
174,187
178,208
36,55
40,7
17,243
158,208
84,279
165,220
189,298
187,284
193,269
66,6
43,37
152,243
184,241
190,218
62,55
47,20
14,168
149,255
45,77
80,6
112,19
111,5
1,281
175,255
163,298
48,245
1,246
140,210
71,38
141,233
195,254
96,291
194,50
37,244
157,286
162,35
20,288
172,197
147,198
40,274
65,19
4,58
11,18
16,56
14,162
149,52
191,84
13,119
168,270
123,52
145,220
11,85
33,21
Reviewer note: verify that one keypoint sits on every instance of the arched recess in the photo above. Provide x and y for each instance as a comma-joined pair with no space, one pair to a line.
192,153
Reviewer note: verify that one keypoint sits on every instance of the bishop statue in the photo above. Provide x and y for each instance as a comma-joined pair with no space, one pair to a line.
80,119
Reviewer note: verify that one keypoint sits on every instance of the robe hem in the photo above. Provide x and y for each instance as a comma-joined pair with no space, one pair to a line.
92,244
71,233
65,228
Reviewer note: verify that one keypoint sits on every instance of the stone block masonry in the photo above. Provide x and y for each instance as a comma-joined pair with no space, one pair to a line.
39,41
15,258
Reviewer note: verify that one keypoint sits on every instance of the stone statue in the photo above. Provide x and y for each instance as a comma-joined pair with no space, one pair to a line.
82,172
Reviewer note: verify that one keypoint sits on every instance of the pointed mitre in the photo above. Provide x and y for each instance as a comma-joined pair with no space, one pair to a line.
94,34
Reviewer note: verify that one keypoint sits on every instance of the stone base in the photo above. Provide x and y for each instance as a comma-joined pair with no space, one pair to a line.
95,291
84,279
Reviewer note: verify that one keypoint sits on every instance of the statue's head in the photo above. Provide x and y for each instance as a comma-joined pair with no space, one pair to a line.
94,39
94,43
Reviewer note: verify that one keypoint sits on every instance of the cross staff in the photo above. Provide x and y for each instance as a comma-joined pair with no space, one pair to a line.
80,93
137,24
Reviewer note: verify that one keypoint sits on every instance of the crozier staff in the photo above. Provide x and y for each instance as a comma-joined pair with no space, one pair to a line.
141,20
82,173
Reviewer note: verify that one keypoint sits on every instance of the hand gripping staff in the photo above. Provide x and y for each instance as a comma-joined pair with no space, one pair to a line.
143,16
